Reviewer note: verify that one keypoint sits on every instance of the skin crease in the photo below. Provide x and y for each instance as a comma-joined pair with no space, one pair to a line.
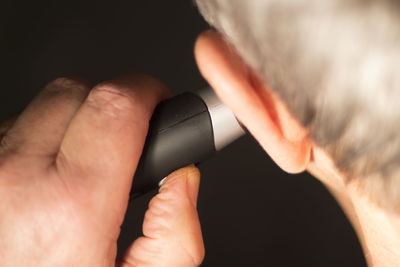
288,144
66,168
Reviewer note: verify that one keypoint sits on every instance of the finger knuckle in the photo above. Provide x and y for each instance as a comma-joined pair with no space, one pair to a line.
159,206
65,84
115,99
4,143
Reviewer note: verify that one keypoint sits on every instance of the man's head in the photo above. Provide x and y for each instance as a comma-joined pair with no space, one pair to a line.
317,74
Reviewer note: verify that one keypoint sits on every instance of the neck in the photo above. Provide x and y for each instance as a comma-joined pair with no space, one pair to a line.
378,230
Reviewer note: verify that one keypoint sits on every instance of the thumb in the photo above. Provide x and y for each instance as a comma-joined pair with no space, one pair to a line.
171,227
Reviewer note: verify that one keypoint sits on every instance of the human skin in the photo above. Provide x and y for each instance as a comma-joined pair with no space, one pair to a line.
289,144
66,168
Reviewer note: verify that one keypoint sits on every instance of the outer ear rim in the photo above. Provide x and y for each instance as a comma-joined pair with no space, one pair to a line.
230,77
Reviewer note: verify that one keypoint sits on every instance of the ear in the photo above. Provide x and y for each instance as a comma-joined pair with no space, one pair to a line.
254,104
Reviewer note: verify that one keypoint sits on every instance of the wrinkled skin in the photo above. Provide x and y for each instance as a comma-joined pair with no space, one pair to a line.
66,167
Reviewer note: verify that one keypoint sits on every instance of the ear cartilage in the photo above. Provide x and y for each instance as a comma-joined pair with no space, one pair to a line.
186,129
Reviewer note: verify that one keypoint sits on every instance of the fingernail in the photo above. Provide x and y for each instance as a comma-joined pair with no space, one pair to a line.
189,179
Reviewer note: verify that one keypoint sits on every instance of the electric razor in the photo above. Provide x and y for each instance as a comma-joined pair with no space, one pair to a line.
186,129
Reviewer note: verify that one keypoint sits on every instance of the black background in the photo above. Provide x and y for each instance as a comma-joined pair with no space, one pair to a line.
252,213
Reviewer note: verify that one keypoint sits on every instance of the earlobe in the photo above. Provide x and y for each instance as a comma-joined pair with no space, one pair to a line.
253,103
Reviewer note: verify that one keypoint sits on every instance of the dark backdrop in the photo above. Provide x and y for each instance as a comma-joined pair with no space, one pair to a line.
252,213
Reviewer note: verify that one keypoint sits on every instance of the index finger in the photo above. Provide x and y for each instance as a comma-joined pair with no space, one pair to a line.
104,141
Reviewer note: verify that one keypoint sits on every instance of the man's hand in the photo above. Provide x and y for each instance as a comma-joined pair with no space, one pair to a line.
66,168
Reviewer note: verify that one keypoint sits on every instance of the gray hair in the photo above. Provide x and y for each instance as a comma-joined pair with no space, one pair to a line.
335,63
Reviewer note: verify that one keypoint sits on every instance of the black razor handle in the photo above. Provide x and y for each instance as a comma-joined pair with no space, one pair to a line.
181,132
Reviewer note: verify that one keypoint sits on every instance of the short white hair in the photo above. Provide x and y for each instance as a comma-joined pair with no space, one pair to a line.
336,65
